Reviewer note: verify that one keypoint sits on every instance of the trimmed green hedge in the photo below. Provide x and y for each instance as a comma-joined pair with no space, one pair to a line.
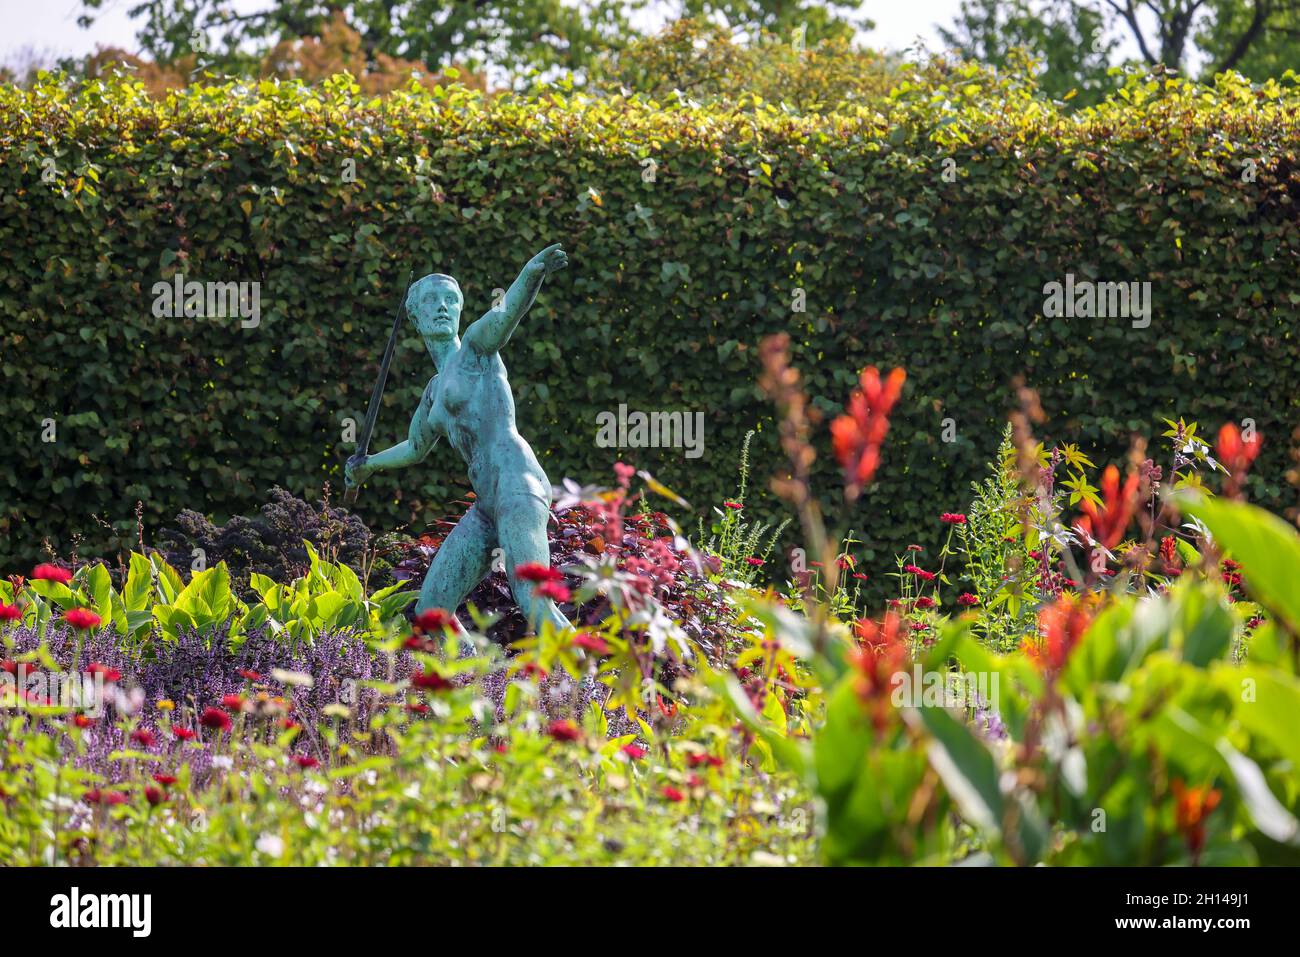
675,277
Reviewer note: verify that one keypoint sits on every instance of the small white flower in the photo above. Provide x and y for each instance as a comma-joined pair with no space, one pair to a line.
223,761
271,845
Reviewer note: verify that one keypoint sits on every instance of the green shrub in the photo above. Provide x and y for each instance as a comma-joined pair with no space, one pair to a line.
675,278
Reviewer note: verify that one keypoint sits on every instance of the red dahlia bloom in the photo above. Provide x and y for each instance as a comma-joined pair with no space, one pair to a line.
215,718
81,618
536,572
52,573
564,731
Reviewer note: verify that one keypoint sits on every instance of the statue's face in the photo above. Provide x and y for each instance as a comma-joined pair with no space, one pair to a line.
434,305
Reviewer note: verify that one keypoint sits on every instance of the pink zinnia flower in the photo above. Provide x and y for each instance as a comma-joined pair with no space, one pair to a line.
52,573
81,618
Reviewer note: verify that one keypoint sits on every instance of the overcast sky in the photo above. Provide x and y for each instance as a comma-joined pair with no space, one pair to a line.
49,27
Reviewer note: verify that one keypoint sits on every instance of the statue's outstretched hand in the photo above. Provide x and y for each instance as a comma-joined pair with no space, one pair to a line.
549,260
356,471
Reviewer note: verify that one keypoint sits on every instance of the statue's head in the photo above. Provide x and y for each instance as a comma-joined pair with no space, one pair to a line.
434,305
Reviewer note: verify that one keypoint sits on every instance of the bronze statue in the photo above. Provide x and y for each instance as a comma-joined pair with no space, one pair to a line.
468,401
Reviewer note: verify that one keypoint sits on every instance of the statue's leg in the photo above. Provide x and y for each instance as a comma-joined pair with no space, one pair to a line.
461,563
521,530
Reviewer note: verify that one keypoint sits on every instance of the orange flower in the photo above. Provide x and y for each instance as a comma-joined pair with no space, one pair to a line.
1061,626
858,435
881,654
1236,455
1192,806
1108,523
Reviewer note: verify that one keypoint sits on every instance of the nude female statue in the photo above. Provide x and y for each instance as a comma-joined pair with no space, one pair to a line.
468,400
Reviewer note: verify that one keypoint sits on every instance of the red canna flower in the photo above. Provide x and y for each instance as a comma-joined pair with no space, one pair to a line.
564,731
166,780
1107,524
1236,455
1169,550
81,618
436,620
1192,806
52,573
215,718
305,761
144,737
858,435
537,572
634,752
184,734
430,681
9,612
1061,627
672,794
953,518
554,591
593,643
881,653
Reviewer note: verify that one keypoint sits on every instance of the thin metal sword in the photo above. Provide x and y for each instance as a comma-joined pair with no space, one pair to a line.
372,413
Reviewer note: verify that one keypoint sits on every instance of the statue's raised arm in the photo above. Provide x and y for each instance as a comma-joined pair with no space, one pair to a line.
494,329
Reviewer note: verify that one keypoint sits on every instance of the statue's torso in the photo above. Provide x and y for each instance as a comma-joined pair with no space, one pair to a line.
469,401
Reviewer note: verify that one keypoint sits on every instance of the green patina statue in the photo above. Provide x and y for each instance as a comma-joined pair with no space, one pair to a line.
468,400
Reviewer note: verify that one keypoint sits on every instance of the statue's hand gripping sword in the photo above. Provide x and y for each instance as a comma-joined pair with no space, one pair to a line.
376,396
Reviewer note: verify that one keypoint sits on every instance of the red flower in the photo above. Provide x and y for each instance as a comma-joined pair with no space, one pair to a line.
858,435
233,702
436,620
81,618
564,731
184,734
593,643
634,752
288,724
1062,626
924,602
1192,806
430,681
109,675
215,718
153,796
534,670
1107,524
536,572
667,709
695,760
305,761
9,612
953,518
52,573
249,675
144,737
1236,455
754,561
966,599
96,796
672,794
860,576
881,654
920,573
166,780
81,721
417,707
554,591
736,506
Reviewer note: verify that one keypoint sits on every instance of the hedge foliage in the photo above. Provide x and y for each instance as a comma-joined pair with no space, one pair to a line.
690,232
